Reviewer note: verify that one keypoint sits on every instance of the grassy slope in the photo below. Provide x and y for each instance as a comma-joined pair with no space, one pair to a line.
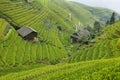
44,16
89,70
27,52
3,27
102,49
55,11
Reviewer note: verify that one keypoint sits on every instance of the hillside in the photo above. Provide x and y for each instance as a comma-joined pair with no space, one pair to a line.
107,69
53,13
89,70
87,15
27,52
44,16
105,48
49,58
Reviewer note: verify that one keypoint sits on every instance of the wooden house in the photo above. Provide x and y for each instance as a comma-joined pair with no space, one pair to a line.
80,35
28,33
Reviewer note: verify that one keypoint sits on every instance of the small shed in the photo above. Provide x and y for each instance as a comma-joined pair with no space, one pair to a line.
82,34
28,33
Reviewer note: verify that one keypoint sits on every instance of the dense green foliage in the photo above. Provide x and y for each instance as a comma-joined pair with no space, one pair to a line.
90,70
112,20
55,21
112,31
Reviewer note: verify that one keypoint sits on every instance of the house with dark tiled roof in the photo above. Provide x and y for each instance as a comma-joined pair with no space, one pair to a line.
27,33
79,35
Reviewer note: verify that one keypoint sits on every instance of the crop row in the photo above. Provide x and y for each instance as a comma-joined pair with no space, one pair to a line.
89,70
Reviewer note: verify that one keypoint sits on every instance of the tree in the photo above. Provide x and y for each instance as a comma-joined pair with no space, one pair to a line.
89,28
92,33
107,23
112,19
97,28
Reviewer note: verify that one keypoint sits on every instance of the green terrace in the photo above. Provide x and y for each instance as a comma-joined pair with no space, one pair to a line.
53,56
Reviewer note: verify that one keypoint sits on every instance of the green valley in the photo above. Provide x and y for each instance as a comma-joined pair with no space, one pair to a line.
61,40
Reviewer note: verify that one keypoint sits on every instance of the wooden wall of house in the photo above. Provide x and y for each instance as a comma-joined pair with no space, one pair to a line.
30,36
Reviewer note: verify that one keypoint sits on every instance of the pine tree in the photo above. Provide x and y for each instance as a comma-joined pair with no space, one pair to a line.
97,28
112,20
